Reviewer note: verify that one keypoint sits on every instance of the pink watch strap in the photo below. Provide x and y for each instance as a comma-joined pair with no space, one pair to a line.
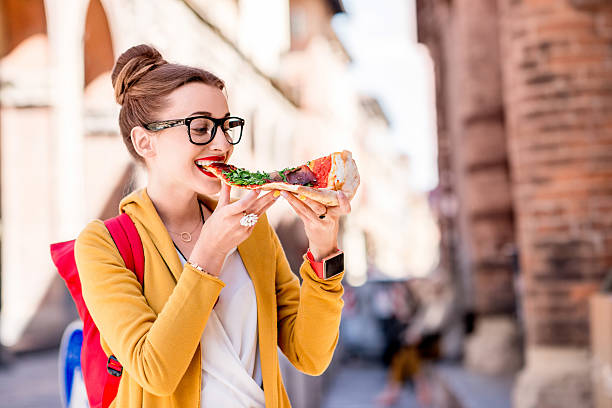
317,266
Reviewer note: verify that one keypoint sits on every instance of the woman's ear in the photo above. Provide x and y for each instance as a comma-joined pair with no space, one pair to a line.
143,142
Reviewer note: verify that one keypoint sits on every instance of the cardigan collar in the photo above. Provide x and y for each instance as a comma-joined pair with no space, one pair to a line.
139,207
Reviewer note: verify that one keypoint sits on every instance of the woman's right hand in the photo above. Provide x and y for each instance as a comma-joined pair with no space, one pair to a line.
222,230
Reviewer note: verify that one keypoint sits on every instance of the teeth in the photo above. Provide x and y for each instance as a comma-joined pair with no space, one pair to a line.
206,162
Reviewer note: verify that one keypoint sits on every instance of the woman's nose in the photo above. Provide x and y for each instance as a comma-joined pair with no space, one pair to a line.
219,141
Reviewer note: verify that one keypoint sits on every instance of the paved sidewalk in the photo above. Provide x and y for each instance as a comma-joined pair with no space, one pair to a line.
473,390
356,385
30,381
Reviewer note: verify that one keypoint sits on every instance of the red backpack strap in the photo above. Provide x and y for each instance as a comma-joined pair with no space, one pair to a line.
126,237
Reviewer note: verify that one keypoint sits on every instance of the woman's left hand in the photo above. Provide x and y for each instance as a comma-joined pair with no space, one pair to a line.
322,233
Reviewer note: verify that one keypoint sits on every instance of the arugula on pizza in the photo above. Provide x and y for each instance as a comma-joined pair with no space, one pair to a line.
319,179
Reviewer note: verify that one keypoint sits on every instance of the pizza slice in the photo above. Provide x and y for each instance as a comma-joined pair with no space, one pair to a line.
318,179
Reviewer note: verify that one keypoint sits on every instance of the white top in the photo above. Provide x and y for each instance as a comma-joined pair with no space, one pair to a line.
231,366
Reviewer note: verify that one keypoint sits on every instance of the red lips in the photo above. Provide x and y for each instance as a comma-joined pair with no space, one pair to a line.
209,174
215,158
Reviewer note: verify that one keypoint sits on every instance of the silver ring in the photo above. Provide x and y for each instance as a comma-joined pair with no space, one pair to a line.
248,220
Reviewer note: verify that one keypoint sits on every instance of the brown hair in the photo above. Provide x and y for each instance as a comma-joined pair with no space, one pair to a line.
142,80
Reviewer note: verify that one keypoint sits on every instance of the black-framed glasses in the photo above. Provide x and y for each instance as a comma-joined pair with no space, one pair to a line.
202,129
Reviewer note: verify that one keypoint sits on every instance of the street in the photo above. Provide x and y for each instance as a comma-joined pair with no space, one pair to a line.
356,386
31,381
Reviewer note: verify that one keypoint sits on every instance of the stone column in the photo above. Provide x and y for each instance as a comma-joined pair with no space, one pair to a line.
463,36
42,161
431,18
65,27
485,188
558,97
25,139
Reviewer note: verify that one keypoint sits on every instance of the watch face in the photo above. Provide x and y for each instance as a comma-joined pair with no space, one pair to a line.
334,266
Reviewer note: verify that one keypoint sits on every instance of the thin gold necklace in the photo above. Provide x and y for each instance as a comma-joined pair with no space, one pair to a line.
186,236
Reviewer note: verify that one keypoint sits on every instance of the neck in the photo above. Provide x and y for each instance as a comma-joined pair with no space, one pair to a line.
178,209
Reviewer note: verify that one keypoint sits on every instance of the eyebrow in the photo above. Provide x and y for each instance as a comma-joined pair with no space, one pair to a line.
207,114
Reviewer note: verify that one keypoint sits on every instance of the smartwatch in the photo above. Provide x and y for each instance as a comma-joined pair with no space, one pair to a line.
333,265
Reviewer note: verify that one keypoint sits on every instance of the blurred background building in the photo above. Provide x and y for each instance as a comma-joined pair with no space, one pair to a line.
505,242
287,73
523,95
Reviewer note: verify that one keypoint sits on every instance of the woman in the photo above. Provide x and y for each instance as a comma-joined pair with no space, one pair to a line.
218,294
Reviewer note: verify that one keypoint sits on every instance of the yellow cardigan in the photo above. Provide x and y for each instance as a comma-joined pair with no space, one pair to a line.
156,334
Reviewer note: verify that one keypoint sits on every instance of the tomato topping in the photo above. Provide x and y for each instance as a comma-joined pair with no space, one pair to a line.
321,168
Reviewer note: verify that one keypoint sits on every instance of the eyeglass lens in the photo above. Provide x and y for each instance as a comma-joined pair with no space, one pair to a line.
201,130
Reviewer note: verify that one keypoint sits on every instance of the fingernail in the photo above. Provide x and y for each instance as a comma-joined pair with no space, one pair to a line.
284,194
276,193
301,197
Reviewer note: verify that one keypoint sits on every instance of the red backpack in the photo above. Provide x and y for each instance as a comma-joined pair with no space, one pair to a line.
101,373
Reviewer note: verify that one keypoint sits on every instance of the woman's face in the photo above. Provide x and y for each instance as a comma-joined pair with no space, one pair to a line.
175,155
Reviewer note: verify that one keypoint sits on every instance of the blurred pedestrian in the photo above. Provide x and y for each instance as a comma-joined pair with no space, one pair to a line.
422,305
402,359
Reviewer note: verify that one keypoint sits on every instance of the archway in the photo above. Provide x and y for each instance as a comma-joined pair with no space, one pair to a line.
98,60
24,86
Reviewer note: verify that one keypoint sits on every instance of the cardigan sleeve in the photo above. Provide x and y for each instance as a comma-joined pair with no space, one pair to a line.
308,316
154,349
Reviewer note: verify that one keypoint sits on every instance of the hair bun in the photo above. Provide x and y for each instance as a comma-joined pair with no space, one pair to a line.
132,65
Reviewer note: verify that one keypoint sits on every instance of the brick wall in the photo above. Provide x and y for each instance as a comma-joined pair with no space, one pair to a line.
462,37
557,70
430,16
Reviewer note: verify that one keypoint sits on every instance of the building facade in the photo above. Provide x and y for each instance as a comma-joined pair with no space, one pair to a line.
524,106
58,111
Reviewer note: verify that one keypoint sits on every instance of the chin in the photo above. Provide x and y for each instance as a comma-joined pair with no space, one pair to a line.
209,188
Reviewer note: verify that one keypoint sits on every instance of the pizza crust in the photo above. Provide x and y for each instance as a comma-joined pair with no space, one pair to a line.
345,173
325,196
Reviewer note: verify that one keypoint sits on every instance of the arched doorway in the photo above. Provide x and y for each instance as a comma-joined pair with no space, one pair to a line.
98,45
24,91
107,181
